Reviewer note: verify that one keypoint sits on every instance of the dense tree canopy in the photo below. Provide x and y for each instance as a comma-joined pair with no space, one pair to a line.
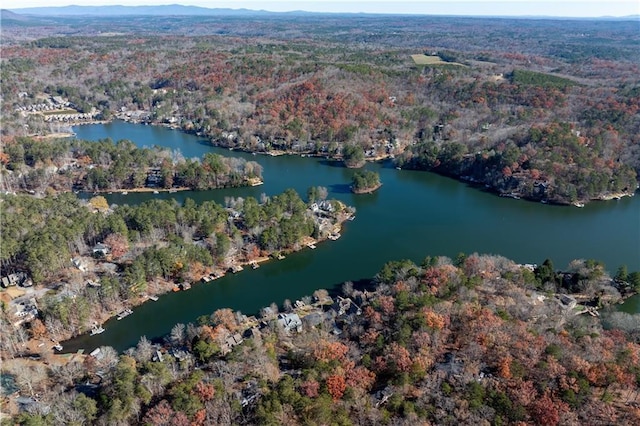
484,340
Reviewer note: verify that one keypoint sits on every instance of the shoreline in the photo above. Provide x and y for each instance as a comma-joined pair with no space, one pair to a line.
139,190
233,266
367,190
275,153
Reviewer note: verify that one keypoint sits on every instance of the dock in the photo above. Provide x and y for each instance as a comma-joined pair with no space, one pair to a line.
97,330
236,268
124,314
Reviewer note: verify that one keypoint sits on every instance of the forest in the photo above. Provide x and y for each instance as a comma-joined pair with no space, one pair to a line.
152,247
64,165
465,341
555,122
545,110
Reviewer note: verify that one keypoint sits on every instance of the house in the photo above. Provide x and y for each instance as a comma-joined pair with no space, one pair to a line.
568,301
383,396
344,305
80,264
18,278
451,366
252,333
230,342
181,355
29,306
326,206
154,177
290,322
314,319
100,250
249,394
157,357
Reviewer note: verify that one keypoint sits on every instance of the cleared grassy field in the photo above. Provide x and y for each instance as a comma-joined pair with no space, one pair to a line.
421,59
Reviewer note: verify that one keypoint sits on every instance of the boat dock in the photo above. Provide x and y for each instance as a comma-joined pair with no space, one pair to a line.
96,330
124,314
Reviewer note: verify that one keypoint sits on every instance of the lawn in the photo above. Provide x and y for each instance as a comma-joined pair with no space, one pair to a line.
431,60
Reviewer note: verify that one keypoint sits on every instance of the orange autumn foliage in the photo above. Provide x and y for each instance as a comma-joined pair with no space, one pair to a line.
336,385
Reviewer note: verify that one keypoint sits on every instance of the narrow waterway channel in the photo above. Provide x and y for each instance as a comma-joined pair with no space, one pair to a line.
414,214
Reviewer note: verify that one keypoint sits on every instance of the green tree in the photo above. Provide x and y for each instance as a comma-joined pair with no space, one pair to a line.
353,155
622,274
364,181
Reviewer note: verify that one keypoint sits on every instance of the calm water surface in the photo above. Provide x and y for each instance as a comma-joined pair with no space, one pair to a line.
413,215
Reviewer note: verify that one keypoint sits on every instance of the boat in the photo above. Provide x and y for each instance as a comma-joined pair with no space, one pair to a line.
185,286
280,256
57,347
334,236
255,265
96,330
352,217
155,192
124,314
311,246
154,298
215,275
236,268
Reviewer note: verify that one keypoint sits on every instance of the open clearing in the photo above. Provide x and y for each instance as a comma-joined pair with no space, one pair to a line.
421,59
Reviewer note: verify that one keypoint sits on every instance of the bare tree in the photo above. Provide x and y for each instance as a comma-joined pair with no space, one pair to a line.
144,350
178,334
107,358
347,288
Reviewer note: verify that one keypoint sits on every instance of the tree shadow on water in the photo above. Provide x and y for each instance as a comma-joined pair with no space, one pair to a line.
340,188
333,163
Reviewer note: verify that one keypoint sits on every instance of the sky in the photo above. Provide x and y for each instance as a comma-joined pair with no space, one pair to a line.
560,8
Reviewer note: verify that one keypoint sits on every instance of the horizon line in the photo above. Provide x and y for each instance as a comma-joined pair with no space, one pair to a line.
24,10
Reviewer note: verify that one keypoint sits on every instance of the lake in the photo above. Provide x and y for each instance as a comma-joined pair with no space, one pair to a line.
413,215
